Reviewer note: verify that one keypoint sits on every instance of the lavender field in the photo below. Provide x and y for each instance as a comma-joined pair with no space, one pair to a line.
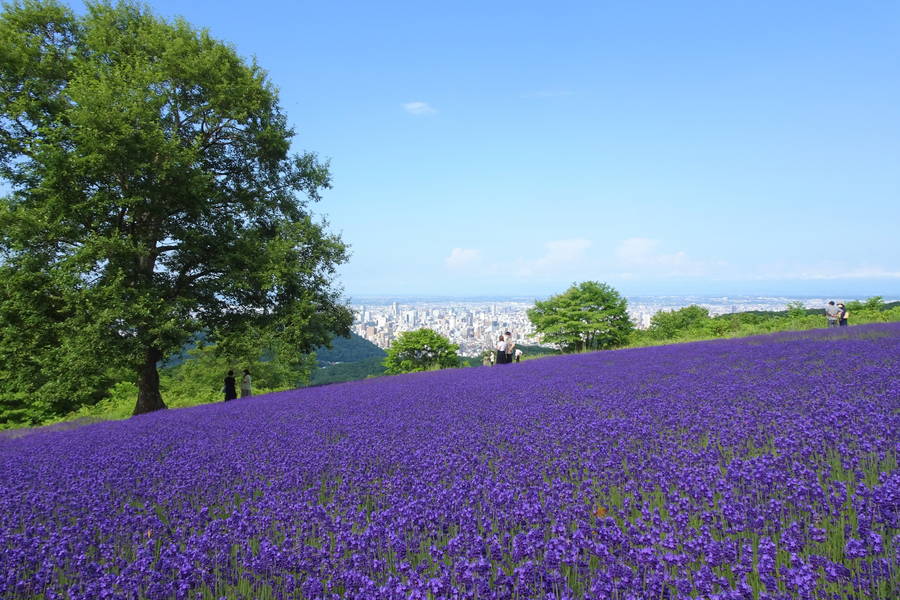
760,468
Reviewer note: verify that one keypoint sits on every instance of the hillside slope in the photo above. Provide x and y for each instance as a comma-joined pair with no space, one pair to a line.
761,467
352,349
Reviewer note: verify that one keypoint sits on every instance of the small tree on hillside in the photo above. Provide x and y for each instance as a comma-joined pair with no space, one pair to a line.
667,324
587,316
796,313
421,350
796,310
154,195
872,309
875,303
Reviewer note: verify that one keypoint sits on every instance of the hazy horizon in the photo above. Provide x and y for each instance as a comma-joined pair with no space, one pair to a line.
358,298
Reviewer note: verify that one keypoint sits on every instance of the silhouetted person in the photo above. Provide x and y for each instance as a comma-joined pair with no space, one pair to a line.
230,390
246,382
832,313
510,347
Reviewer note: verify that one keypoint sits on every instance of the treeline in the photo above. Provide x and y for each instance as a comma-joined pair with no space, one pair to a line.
195,376
347,350
348,371
695,323
197,379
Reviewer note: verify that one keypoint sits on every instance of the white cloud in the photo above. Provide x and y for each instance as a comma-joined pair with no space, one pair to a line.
860,273
557,255
639,251
645,254
461,258
827,273
419,109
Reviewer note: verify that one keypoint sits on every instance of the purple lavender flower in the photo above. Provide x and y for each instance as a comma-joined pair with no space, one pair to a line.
763,467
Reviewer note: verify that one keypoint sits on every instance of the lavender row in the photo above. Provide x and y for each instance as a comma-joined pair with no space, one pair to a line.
763,468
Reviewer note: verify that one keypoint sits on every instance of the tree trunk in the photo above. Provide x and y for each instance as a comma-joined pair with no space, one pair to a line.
149,398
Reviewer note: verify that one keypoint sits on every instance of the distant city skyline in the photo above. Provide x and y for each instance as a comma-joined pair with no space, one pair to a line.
517,147
474,324
384,299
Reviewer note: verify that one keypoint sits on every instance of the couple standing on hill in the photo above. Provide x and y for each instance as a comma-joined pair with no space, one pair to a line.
231,392
836,314
506,350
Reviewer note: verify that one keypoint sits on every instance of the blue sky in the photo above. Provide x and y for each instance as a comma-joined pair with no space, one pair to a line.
664,147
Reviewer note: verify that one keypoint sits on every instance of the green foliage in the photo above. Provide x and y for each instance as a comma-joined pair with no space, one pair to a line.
153,196
347,350
207,366
796,310
536,350
200,379
348,359
689,324
874,303
855,306
715,327
348,371
587,316
667,323
46,367
421,350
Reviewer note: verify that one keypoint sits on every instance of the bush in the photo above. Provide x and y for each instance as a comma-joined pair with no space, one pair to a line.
421,350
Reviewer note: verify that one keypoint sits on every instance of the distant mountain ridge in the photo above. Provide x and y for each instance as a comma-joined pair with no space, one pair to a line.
345,350
348,359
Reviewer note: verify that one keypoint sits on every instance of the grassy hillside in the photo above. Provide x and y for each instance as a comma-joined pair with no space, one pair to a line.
693,323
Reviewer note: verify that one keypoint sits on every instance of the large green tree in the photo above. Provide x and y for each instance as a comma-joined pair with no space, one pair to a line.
153,194
421,350
587,316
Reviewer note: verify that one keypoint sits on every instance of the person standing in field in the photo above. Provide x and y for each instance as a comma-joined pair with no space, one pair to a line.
246,384
843,315
230,390
510,347
832,314
518,355
501,351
